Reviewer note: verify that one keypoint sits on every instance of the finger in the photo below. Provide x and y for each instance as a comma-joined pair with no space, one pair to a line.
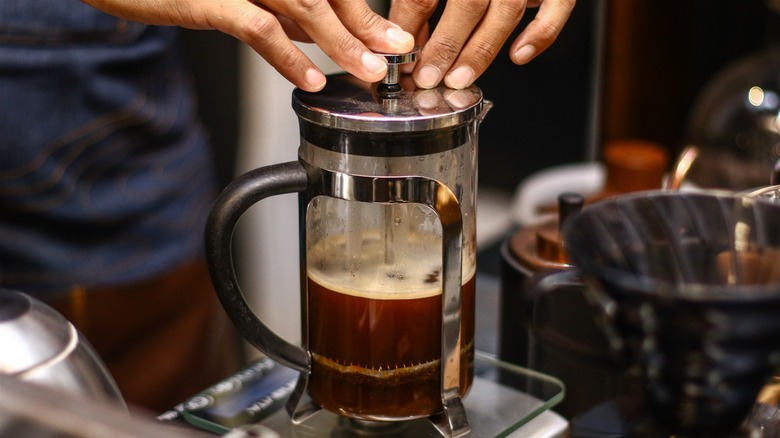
412,15
261,30
292,30
376,32
501,18
423,35
420,40
542,31
320,22
459,19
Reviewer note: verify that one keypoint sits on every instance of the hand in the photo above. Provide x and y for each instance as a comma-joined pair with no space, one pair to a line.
471,33
346,30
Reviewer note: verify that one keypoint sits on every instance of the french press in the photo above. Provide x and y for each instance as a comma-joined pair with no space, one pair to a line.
386,176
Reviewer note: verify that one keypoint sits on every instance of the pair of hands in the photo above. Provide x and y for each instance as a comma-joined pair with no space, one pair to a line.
464,43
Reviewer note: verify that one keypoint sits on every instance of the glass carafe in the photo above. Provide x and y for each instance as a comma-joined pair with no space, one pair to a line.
387,183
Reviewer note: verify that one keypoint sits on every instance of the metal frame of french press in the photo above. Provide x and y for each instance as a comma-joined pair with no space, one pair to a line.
387,190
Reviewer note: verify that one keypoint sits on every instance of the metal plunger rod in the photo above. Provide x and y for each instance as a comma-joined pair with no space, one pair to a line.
392,74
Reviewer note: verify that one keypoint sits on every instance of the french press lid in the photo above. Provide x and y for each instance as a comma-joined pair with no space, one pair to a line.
393,105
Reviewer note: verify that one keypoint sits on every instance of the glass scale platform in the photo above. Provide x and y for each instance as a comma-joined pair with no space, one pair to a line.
503,398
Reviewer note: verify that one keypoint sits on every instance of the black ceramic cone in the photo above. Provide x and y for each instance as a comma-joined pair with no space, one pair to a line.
688,287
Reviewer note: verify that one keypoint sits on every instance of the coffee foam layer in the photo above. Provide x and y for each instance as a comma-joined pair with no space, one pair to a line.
365,270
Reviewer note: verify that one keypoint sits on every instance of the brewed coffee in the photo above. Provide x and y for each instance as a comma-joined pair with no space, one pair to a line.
376,342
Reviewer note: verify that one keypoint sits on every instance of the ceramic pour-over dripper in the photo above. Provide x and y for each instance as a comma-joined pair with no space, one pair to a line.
687,286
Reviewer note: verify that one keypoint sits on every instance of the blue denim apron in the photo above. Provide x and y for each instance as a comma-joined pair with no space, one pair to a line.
105,173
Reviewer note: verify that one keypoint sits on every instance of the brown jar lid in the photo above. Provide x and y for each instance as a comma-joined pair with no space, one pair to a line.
539,248
634,165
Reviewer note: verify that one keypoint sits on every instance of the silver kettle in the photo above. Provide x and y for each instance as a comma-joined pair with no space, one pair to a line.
38,345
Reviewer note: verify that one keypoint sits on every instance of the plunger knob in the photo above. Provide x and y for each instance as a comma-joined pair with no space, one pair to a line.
388,87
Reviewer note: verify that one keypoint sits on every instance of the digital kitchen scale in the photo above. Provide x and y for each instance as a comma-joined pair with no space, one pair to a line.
503,398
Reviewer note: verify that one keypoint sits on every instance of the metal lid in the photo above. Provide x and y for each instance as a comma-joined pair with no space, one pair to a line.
351,104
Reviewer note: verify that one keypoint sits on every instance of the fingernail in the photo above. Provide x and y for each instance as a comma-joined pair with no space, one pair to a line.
524,54
315,79
428,77
374,64
398,36
460,78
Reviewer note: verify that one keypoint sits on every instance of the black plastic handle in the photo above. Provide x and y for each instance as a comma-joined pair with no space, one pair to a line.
544,286
551,283
238,196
